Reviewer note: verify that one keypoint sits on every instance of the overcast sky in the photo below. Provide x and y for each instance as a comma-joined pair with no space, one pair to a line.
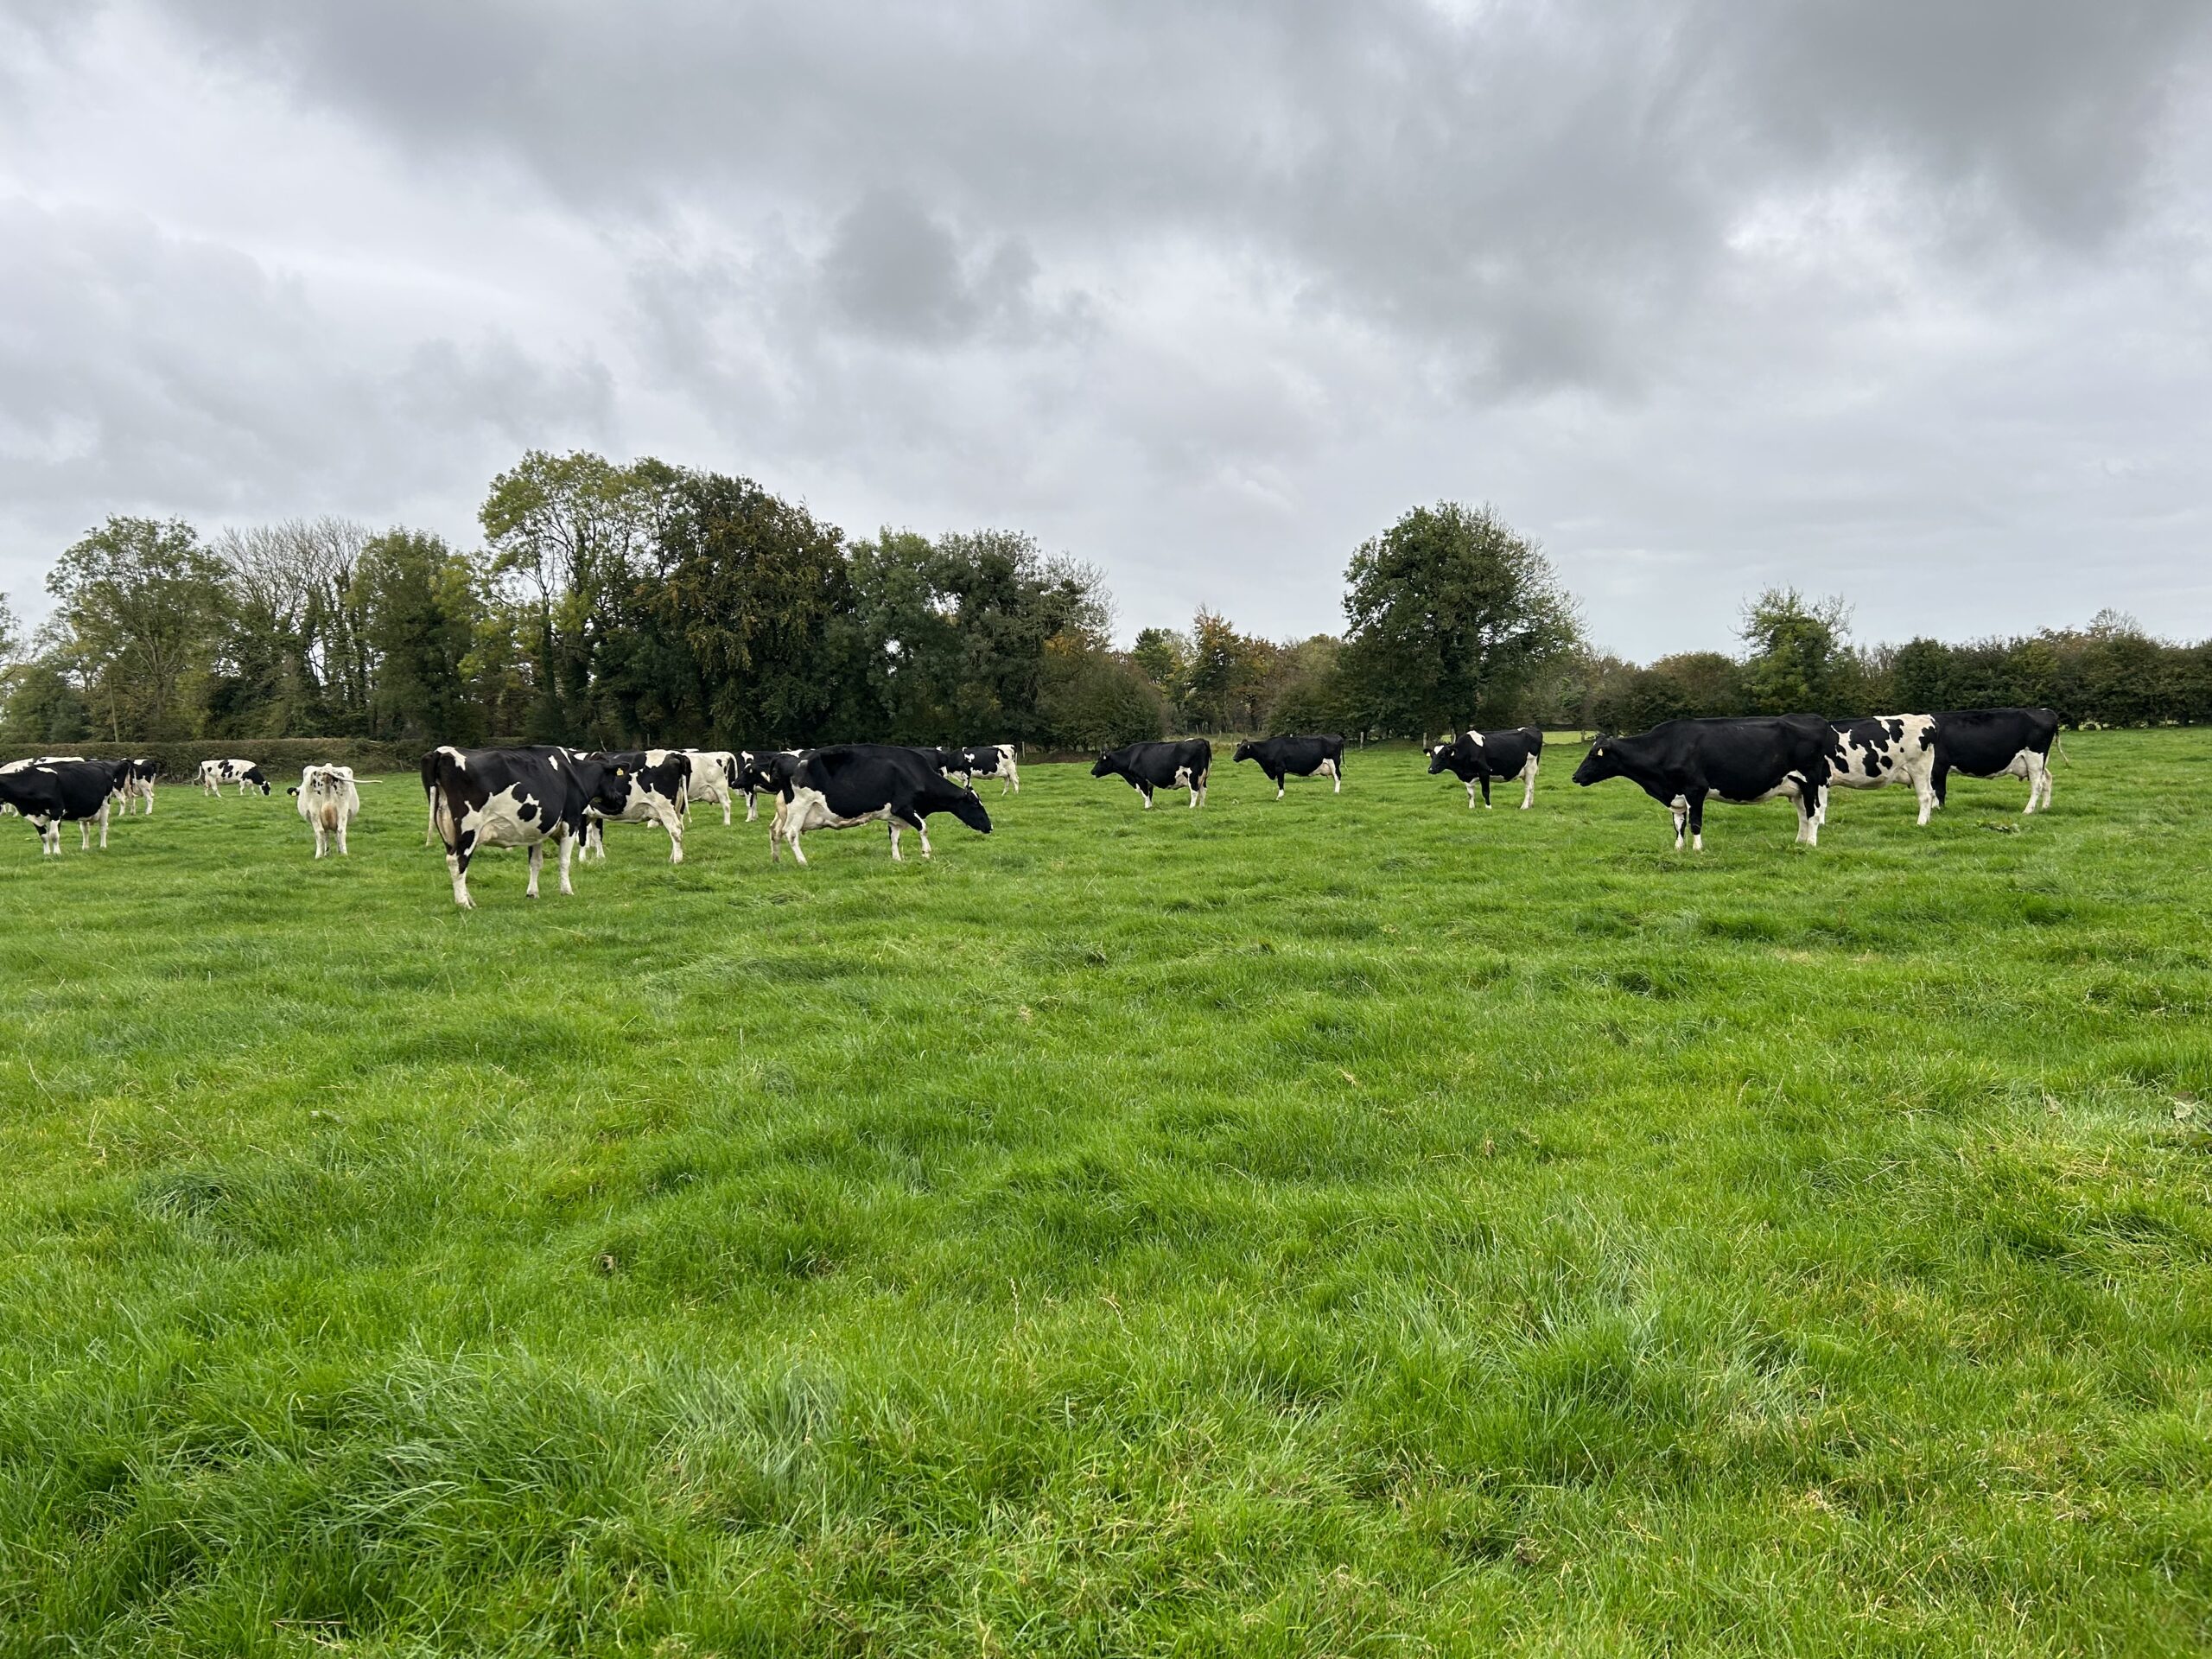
1906,299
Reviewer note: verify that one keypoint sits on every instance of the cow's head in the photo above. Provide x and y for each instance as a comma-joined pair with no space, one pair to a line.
970,810
1438,754
253,776
1104,769
611,790
1601,763
1244,752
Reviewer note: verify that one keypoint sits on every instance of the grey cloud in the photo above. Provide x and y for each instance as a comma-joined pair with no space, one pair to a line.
1703,292
146,369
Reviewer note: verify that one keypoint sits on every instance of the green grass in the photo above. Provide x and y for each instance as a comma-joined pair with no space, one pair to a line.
1353,1225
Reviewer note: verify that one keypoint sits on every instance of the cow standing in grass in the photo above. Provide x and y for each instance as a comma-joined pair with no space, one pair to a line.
659,783
1149,767
1296,756
52,793
516,798
1477,757
989,760
1996,743
764,771
1682,763
214,774
868,783
1883,749
328,801
714,777
134,781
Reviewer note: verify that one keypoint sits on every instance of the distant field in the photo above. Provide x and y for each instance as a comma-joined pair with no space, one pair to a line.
1355,1226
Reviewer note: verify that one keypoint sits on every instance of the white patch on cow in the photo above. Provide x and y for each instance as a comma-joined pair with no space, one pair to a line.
809,809
1336,774
1528,783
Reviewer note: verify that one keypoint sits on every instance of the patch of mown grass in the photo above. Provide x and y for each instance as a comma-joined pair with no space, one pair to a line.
1332,1226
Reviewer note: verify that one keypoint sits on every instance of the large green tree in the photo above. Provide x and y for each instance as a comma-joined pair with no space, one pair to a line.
571,531
422,609
1799,661
144,606
1452,612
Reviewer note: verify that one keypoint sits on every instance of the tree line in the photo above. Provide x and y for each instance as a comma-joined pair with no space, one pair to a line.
617,605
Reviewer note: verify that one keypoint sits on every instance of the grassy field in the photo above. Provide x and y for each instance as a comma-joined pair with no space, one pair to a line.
1355,1226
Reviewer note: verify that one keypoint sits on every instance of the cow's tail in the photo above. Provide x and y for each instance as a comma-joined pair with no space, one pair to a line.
2058,748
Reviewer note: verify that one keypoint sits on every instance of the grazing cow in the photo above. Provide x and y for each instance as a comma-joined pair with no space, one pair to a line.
328,801
214,774
1886,749
863,782
1479,757
134,781
660,783
517,797
714,777
764,771
988,760
1996,743
1294,756
52,793
1679,763
1160,766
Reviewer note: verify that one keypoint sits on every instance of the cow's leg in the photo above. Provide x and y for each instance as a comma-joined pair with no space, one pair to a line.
536,863
1938,783
1337,777
457,867
1485,792
1145,790
676,840
1697,822
2038,767
895,853
752,806
725,809
1279,780
1681,809
1528,784
1470,794
322,837
922,829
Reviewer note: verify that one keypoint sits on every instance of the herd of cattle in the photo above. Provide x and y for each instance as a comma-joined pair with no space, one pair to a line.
526,797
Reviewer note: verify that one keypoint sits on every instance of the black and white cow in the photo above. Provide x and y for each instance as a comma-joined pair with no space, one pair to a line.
764,771
1294,756
714,777
1996,743
516,798
989,760
659,790
27,763
214,774
1681,763
1883,749
52,793
866,783
1477,757
328,801
1180,765
134,781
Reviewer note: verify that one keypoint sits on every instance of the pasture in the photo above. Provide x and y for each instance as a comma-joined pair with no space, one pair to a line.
1353,1225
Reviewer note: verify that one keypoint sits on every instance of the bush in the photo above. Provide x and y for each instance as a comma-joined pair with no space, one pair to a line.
1094,700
